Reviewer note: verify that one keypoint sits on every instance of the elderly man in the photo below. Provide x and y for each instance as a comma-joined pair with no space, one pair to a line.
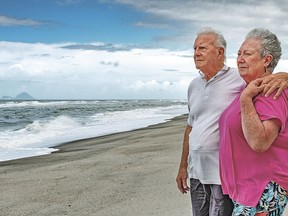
208,96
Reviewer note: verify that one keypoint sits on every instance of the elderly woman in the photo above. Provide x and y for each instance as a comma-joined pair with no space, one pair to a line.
254,134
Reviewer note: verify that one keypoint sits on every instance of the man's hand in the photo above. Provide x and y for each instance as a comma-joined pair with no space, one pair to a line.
182,180
277,81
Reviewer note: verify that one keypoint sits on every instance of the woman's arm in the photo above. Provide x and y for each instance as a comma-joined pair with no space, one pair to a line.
259,134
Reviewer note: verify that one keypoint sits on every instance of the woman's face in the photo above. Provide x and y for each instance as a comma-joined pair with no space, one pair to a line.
250,64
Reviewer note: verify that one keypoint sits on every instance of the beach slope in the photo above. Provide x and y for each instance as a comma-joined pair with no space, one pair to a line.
124,174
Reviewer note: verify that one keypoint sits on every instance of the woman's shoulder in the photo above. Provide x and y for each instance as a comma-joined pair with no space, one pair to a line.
283,96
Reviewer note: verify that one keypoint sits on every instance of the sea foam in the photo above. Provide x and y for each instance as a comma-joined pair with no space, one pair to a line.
41,133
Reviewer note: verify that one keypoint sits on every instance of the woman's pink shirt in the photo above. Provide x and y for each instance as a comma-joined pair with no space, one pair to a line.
245,173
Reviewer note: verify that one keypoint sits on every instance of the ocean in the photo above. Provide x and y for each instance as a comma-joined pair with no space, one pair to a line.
31,128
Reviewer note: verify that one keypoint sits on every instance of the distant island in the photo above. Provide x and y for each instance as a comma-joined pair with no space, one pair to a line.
21,96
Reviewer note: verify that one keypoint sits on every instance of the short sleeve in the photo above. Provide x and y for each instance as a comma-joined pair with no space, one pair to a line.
269,108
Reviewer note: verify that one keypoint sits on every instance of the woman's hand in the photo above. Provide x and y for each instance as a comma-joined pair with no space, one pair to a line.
253,88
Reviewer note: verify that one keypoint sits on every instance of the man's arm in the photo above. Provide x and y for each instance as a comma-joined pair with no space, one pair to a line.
182,173
277,81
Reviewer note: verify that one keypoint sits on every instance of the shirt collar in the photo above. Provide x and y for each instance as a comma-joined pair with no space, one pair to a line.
222,71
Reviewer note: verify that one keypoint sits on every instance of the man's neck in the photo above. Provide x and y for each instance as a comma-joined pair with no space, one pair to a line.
211,73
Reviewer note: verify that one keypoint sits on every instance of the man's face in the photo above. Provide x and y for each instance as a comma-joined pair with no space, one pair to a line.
206,54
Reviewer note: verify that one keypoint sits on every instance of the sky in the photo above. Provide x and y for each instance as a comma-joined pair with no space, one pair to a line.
120,49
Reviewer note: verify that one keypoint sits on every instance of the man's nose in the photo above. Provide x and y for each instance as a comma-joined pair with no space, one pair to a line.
196,51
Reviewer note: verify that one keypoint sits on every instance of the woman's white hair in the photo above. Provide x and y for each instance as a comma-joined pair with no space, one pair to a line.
269,45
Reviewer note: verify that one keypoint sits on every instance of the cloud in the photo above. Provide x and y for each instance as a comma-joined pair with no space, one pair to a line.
114,64
171,70
63,73
98,46
233,18
151,25
69,2
10,21
47,71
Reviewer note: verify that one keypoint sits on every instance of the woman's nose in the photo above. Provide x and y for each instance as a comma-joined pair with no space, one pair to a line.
240,58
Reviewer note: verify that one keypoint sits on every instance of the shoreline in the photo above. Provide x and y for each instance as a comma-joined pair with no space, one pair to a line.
58,146
127,173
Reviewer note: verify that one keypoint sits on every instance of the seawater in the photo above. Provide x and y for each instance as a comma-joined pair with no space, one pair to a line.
31,128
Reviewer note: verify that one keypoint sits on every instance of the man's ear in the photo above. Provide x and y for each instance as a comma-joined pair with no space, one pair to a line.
221,51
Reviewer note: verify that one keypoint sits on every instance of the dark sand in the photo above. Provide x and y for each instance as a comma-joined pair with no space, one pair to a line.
124,174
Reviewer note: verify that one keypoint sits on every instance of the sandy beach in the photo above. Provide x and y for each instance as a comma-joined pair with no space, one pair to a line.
124,174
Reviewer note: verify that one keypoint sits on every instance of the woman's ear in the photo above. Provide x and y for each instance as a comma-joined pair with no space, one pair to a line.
268,60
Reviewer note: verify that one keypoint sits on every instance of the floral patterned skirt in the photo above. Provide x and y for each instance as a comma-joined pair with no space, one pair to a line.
272,203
